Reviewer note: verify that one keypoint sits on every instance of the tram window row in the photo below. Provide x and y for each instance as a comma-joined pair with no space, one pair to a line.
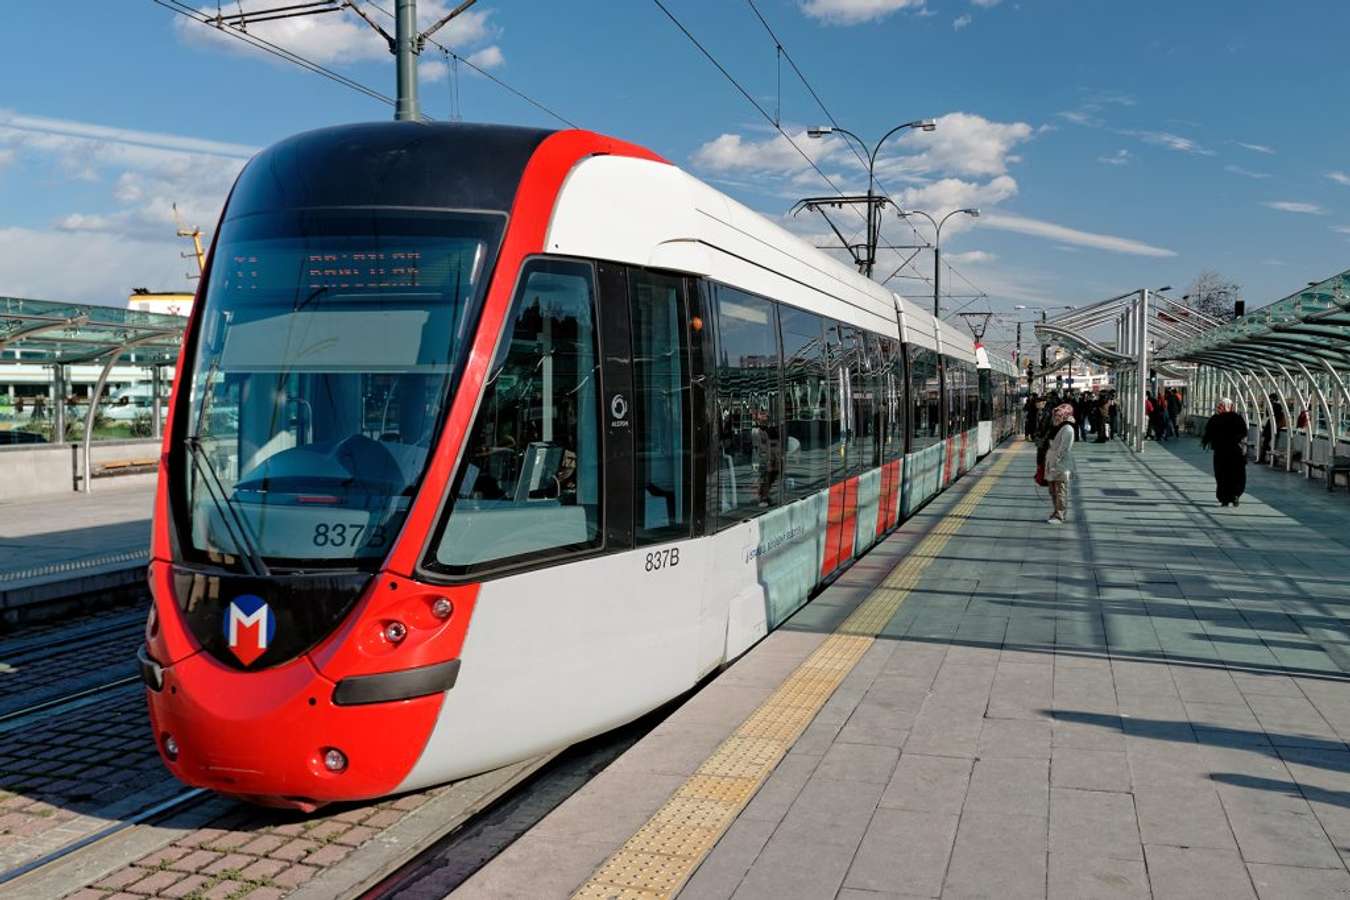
627,407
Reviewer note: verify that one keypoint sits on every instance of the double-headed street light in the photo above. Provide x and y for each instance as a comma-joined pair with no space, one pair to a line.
937,248
873,220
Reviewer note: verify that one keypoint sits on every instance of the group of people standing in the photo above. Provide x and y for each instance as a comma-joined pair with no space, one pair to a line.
1094,414
1163,412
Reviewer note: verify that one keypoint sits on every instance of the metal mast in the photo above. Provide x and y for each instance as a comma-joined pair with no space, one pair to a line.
405,56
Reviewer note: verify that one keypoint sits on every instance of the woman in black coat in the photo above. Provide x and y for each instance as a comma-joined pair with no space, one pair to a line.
1226,434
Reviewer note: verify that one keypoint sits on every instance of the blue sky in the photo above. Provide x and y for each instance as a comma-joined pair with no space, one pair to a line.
1111,145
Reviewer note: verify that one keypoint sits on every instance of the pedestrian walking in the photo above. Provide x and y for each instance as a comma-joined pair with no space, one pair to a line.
1174,411
1059,461
1226,435
1030,413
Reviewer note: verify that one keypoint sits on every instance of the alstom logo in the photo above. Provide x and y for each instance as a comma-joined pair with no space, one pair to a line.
249,627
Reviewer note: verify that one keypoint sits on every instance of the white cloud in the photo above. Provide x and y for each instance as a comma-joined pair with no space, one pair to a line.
732,153
1238,170
488,58
1341,229
340,36
6,156
964,144
940,197
1080,117
1257,148
1119,158
1170,141
970,257
92,268
986,3
432,71
1293,206
855,12
1066,235
1339,178
961,21
124,235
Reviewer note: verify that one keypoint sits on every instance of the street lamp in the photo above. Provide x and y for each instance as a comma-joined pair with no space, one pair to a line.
873,225
937,249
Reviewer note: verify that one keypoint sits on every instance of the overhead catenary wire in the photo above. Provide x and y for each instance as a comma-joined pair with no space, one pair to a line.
786,54
488,75
266,46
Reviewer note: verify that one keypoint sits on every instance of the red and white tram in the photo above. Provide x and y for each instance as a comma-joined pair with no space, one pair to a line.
492,439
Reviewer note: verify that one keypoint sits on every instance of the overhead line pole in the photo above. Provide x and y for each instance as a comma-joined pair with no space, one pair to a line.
405,56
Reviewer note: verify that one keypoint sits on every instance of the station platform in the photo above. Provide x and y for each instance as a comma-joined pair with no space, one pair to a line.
62,548
1152,700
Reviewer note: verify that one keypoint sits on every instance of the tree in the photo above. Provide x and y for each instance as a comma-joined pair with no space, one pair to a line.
1213,294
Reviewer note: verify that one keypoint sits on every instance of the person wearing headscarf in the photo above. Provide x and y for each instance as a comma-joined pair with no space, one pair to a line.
1059,460
1226,435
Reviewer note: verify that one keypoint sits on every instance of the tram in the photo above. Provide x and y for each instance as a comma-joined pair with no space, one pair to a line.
492,439
998,400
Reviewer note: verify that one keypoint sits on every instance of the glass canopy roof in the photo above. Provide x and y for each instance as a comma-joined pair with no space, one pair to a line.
1311,325
50,333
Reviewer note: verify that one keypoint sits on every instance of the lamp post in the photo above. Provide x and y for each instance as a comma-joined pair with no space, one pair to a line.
873,223
937,249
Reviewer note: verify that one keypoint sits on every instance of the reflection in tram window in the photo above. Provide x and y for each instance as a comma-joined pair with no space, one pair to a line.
749,472
807,399
925,394
529,483
660,388
862,392
328,346
890,375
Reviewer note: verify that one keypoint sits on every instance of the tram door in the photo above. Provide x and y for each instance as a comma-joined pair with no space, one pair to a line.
650,448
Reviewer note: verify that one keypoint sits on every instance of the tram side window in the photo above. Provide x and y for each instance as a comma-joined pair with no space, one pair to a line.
955,394
661,414
989,400
971,414
806,383
891,396
925,397
750,468
529,484
862,449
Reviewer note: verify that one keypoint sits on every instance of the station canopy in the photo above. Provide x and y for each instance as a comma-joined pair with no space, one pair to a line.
1311,326
54,333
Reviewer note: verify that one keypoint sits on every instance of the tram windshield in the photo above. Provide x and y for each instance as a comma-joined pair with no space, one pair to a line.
327,351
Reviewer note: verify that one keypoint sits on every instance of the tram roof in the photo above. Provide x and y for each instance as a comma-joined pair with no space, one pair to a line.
54,333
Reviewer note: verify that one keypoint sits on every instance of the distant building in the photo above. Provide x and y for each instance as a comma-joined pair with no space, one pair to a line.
167,302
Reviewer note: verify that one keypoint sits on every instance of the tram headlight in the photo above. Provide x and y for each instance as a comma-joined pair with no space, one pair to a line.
334,760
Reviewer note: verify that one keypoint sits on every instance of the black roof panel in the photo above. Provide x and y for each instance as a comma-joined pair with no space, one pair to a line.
438,165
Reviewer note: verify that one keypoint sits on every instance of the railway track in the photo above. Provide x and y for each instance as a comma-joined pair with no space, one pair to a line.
109,825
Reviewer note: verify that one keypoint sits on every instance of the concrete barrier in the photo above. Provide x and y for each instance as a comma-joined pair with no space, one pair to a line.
32,470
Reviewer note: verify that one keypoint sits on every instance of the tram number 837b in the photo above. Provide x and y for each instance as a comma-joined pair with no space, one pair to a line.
660,559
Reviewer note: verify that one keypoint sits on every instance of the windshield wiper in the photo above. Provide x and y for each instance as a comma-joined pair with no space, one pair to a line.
234,523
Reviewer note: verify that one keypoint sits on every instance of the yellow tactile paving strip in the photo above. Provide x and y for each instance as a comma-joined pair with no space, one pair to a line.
659,858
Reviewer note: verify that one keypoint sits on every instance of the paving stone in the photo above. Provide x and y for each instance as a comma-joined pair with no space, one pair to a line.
1020,786
722,871
225,890
156,883
328,855
1191,817
190,884
1185,873
1076,877
904,848
1295,883
1093,824
1025,738
1283,834
294,875
998,855
928,783
1090,770
857,762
